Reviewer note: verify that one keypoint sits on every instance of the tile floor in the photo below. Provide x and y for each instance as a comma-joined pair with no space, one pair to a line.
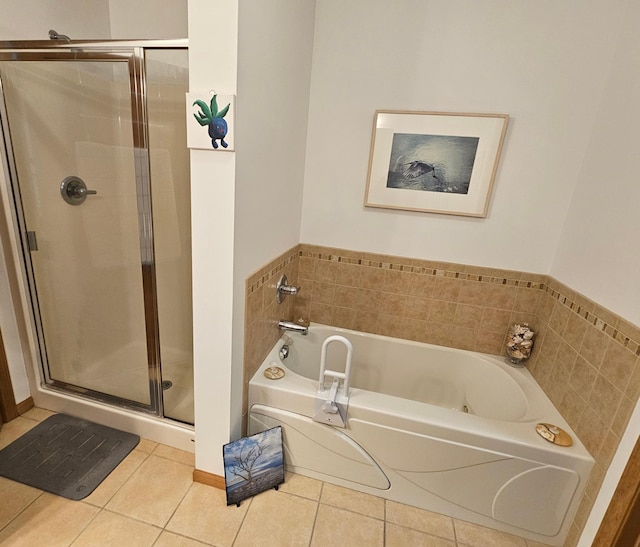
150,499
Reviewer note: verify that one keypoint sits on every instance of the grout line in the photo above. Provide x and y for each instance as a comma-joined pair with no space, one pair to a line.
87,525
189,538
384,522
133,472
127,516
455,531
24,508
342,508
235,537
315,517
164,526
429,534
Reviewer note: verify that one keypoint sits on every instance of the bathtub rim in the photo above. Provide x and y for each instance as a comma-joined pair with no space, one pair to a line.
299,391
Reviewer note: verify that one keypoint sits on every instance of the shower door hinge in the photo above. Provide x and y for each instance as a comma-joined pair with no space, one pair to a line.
32,241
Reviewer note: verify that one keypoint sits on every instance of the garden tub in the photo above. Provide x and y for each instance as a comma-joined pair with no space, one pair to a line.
442,429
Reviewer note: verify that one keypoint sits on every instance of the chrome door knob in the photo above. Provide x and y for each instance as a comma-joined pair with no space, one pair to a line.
74,191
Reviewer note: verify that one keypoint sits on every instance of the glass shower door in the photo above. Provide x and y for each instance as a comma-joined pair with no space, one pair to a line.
167,82
71,123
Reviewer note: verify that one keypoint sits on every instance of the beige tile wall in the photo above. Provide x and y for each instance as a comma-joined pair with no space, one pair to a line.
587,361
585,357
262,312
453,305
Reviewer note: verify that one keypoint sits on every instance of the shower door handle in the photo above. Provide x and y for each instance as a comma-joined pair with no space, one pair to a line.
74,191
84,192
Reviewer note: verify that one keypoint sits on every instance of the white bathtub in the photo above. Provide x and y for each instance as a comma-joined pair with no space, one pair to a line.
446,430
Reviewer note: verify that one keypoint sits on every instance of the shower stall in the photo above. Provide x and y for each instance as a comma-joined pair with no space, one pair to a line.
94,154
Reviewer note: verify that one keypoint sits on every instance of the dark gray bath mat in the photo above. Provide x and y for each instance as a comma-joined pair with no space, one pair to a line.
66,456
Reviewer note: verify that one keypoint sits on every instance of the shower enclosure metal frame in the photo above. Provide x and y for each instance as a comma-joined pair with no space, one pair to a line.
133,53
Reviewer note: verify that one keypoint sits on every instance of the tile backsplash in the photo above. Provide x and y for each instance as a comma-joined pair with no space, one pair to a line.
585,357
447,304
262,313
587,361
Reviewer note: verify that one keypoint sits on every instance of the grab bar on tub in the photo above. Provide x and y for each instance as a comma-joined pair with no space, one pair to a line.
331,404
344,376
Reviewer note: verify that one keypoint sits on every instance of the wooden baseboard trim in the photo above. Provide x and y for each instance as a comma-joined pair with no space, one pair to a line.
210,479
25,405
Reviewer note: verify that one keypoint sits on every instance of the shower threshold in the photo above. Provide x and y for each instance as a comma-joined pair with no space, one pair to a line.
154,428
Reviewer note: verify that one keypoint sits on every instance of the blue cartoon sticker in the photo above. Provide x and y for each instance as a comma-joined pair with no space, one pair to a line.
208,115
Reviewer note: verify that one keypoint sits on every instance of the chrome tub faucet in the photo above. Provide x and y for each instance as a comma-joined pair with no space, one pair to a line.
293,326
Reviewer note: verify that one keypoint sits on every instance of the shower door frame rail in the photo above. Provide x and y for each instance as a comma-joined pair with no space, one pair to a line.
133,53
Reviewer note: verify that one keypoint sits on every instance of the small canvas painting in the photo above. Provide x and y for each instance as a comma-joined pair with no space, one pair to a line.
253,464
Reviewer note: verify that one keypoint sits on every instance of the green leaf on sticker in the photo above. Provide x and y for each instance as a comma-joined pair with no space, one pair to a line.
224,111
214,107
205,115
201,120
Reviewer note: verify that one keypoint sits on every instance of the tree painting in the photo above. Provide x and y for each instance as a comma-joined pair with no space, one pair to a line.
245,461
253,464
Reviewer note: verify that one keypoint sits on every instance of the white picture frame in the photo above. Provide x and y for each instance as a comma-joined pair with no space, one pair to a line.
434,162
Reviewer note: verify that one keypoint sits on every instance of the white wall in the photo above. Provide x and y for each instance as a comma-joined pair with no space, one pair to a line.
212,65
274,71
274,75
32,19
543,63
600,237
93,19
152,19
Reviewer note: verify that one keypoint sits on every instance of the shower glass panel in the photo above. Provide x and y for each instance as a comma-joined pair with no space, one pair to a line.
167,77
74,118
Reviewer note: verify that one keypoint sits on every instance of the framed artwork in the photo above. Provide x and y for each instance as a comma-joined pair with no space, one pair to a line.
253,464
210,121
434,162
